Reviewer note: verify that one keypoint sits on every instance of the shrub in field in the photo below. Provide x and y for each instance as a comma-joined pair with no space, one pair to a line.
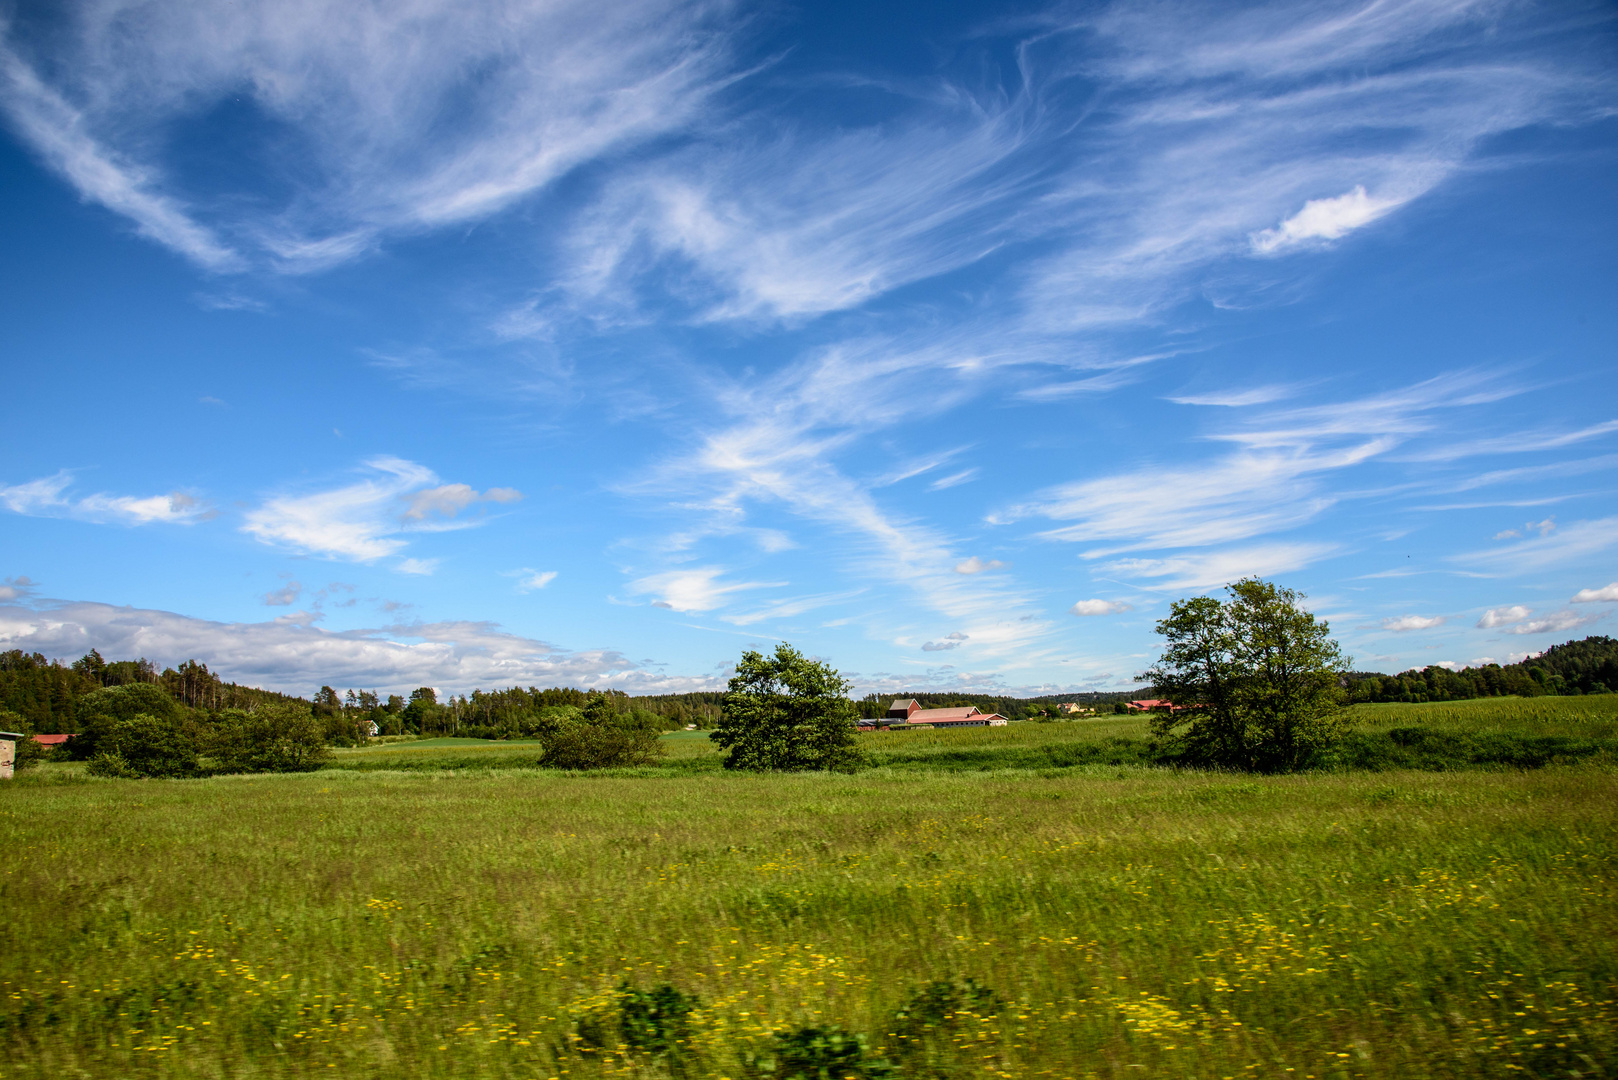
101,710
145,746
787,712
278,737
654,1020
829,1053
1256,677
601,738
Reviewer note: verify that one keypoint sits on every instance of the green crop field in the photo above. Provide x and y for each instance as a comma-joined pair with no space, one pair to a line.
970,907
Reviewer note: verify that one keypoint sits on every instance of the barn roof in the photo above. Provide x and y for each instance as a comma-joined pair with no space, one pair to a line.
963,712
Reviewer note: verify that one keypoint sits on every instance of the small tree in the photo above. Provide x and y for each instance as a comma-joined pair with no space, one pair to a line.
1257,674
787,712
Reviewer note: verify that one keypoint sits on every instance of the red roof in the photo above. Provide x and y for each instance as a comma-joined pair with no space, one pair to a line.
52,740
928,716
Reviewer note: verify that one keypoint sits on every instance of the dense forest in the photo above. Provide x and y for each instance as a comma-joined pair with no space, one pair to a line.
46,693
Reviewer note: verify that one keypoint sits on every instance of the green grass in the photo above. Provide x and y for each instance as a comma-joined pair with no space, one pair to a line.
1133,921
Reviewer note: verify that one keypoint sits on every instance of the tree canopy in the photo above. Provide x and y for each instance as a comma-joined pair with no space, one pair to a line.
787,712
1255,679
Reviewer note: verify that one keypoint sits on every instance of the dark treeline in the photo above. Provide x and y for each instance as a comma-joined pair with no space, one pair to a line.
46,693
1577,667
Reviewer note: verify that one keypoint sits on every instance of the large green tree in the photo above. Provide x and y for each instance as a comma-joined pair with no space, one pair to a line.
787,712
1259,677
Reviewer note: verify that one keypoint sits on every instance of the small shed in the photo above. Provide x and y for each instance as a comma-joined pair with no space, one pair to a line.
8,752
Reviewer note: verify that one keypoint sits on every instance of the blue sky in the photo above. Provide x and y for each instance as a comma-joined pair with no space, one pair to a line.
499,343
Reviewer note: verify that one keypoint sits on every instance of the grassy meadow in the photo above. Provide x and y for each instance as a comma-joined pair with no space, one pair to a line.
968,908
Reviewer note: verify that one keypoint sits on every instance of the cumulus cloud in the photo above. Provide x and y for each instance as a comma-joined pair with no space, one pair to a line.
1099,607
952,641
1555,623
975,565
1607,594
285,596
17,588
1324,219
46,497
1406,623
451,499
1500,616
292,655
366,521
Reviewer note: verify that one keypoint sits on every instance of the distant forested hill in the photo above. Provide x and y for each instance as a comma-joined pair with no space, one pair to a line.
1577,667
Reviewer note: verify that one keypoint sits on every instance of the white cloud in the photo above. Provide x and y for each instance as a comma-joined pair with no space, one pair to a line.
365,521
357,95
45,498
693,589
530,579
1258,395
1405,623
1325,219
293,655
1555,623
952,641
1099,607
418,567
59,133
1500,616
975,565
1607,594
962,477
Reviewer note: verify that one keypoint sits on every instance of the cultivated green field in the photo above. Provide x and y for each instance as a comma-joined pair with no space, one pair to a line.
420,921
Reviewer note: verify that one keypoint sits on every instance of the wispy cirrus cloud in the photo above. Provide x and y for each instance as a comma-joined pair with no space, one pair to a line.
530,580
361,93
1535,553
368,520
47,497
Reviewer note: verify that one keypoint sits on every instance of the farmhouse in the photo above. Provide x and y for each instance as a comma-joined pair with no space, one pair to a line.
909,711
